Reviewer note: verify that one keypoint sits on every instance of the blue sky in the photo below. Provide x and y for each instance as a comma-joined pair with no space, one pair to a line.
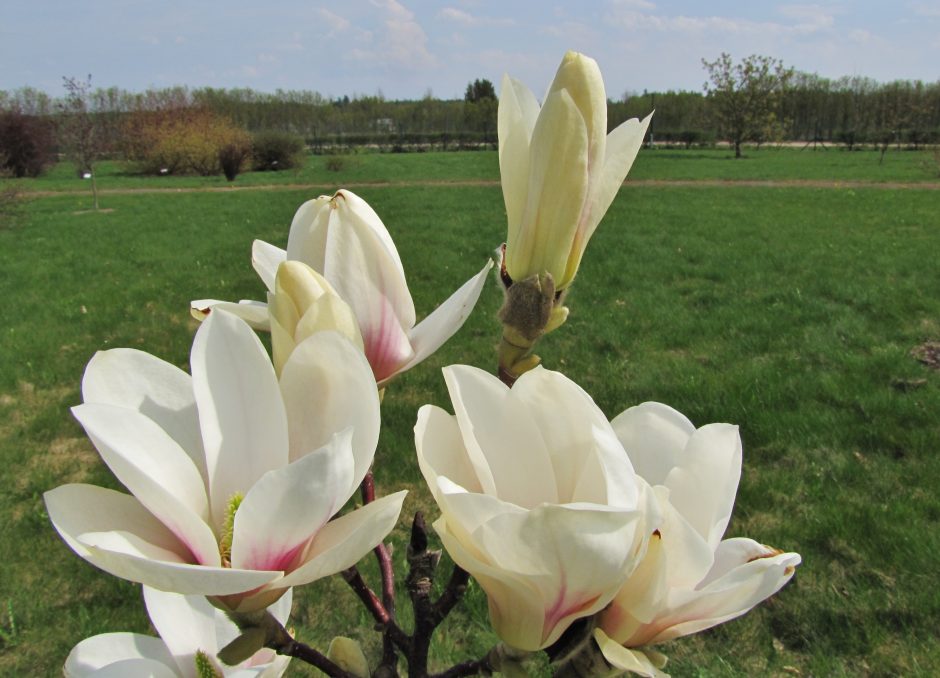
404,48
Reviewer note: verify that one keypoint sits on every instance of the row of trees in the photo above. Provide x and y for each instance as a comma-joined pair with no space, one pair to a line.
178,129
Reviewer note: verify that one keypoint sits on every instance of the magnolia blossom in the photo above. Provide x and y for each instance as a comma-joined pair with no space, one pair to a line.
560,170
303,303
342,238
690,579
233,475
539,500
191,631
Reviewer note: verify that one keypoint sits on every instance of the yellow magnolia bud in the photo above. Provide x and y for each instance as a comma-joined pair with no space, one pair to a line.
303,303
559,168
347,654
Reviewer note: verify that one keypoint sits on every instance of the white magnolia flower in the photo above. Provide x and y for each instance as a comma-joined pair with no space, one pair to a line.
690,579
342,238
560,170
539,500
190,630
233,475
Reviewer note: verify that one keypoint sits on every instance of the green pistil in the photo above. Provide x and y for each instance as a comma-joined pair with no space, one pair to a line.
204,666
228,529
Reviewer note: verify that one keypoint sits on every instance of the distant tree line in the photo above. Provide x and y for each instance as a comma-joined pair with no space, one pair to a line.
808,108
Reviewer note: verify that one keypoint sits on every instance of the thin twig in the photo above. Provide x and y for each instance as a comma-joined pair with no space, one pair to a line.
470,668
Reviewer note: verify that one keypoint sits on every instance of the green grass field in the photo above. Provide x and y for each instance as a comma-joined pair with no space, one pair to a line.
789,310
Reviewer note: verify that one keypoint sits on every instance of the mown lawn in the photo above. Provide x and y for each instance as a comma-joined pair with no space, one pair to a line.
789,311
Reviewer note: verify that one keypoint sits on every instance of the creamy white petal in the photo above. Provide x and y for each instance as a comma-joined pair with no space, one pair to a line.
705,480
156,471
161,391
244,426
288,506
725,598
138,668
431,333
255,313
517,610
344,541
266,258
654,436
309,231
554,198
502,441
516,116
441,450
327,386
187,625
95,653
76,510
574,429
625,659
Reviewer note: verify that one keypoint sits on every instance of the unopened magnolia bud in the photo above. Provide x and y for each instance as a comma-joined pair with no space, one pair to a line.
348,655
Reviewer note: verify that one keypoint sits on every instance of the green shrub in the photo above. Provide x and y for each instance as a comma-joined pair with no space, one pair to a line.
274,150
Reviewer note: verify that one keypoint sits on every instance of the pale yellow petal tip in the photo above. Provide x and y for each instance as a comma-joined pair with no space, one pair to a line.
348,655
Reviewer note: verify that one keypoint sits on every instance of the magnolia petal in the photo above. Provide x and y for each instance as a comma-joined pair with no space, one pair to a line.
431,333
139,668
640,598
187,625
502,441
625,659
554,198
155,388
705,480
344,541
577,555
572,432
309,231
288,506
255,313
76,510
441,451
329,312
623,144
93,654
518,110
362,264
265,258
580,76
327,386
688,557
244,426
156,471
516,608
726,597
654,436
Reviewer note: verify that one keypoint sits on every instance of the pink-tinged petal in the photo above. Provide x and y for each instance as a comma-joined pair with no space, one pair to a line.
344,541
705,480
244,426
577,556
502,441
517,609
724,598
187,625
431,333
327,386
93,654
654,436
255,313
640,599
157,472
157,389
635,661
574,433
309,231
441,450
266,258
288,506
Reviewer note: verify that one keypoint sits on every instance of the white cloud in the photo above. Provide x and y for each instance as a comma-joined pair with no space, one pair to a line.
467,19
924,9
634,4
333,21
402,43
